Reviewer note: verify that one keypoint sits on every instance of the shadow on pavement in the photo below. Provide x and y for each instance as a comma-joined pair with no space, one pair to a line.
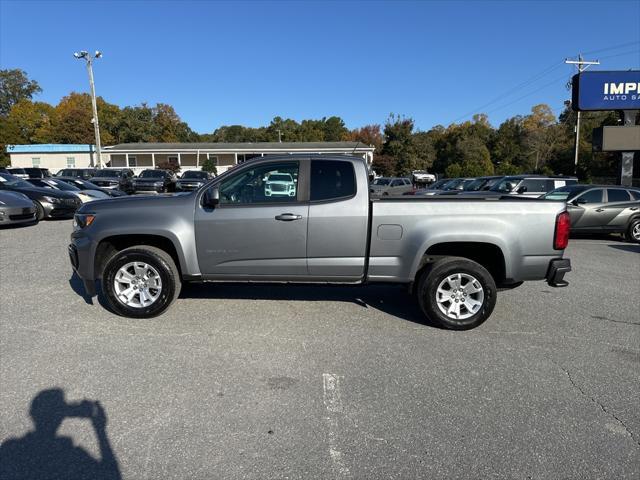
77,285
627,248
391,299
42,455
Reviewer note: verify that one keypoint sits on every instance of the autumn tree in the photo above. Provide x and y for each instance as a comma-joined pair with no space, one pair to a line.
15,86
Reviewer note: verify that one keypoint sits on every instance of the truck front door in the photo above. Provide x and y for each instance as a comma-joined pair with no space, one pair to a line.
259,228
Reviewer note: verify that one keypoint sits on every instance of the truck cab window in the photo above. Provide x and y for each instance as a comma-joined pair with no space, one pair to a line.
271,183
332,179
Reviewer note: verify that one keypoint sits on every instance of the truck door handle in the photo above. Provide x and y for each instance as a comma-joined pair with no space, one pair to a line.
288,217
599,209
633,209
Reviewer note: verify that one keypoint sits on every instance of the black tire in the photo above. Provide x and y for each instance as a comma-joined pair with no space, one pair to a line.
39,211
634,224
158,259
431,279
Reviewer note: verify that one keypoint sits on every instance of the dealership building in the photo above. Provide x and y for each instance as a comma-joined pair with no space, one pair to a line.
187,156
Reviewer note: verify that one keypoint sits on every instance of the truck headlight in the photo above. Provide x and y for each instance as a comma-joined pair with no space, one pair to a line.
82,220
157,184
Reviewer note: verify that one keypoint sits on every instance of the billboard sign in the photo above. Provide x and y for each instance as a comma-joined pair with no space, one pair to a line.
598,90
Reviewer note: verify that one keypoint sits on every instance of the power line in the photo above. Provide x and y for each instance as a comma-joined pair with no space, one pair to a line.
621,54
527,82
614,47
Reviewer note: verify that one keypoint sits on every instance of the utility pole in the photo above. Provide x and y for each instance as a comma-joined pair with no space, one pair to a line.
582,66
96,125
279,136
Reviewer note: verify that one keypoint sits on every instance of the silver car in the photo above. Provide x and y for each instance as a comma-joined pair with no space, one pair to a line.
16,208
384,186
601,209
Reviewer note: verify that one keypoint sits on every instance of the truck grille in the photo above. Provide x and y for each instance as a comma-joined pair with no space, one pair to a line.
276,187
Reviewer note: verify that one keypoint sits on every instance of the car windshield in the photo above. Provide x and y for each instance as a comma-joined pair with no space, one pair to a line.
194,174
437,185
453,184
151,174
506,185
14,182
108,173
564,193
57,184
382,181
279,177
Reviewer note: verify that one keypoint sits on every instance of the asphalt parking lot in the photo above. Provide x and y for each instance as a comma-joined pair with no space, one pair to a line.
331,382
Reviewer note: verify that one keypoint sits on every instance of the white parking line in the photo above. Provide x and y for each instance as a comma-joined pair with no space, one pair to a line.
332,397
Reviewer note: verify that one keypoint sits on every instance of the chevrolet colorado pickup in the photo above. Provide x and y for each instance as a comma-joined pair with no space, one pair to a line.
453,253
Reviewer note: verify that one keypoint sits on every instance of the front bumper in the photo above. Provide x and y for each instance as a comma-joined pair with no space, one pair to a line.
81,253
557,270
15,215
149,188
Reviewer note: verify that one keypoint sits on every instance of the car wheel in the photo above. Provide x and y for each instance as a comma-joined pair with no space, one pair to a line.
141,281
457,293
39,210
633,232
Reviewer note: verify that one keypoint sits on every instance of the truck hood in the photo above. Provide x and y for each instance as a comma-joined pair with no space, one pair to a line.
132,203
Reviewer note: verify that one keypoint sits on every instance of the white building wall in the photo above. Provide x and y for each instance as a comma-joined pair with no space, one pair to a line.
54,161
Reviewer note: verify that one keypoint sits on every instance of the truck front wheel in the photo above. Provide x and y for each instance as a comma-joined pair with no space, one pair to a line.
457,293
141,281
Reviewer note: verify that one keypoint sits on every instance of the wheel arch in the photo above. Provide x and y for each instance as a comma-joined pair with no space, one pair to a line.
108,246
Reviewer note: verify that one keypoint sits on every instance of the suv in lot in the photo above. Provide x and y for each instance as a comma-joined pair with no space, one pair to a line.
279,184
529,185
119,178
83,173
390,186
155,180
602,209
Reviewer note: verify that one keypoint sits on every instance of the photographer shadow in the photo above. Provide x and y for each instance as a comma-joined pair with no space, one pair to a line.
42,454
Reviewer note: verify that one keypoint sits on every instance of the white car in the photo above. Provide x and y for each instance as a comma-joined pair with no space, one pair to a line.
279,185
421,176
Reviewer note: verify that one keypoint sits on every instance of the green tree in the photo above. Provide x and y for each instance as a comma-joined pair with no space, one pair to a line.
453,170
15,86
209,166
474,157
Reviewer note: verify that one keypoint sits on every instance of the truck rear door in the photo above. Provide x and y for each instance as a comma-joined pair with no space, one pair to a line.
338,219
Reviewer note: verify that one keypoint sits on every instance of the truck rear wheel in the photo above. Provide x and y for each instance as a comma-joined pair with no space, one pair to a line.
141,281
457,293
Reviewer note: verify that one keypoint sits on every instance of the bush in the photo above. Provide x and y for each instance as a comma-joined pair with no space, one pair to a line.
209,166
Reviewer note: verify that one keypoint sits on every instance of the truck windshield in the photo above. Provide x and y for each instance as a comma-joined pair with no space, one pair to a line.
280,178
195,174
151,174
108,173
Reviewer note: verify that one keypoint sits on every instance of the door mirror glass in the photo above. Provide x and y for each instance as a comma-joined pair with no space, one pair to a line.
211,197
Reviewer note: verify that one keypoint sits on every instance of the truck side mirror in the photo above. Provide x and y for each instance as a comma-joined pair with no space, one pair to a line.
211,197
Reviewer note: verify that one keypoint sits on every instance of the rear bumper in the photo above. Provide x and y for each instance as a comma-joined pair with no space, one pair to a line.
557,270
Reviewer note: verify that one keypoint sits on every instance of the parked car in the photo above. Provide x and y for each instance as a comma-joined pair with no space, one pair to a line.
601,209
434,186
16,208
83,173
84,195
17,172
49,202
155,180
455,185
86,185
452,252
192,180
527,185
422,177
279,184
479,184
114,178
34,172
384,186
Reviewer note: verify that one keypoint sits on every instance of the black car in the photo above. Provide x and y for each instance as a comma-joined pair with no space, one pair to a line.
114,178
49,203
192,180
86,185
35,172
159,181
480,184
17,172
83,173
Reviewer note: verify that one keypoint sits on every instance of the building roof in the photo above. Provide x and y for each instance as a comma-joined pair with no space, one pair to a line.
50,148
242,146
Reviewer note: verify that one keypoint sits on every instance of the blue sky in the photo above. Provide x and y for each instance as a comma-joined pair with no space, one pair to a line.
221,63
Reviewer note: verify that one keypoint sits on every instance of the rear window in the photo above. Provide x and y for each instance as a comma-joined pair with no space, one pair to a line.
537,185
332,179
617,195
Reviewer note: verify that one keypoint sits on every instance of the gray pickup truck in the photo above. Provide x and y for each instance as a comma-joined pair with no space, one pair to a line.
319,227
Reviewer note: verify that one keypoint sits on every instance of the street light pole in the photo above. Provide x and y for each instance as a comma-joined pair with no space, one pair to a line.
582,66
96,125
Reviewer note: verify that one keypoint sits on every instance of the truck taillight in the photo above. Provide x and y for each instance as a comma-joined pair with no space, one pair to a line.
563,225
